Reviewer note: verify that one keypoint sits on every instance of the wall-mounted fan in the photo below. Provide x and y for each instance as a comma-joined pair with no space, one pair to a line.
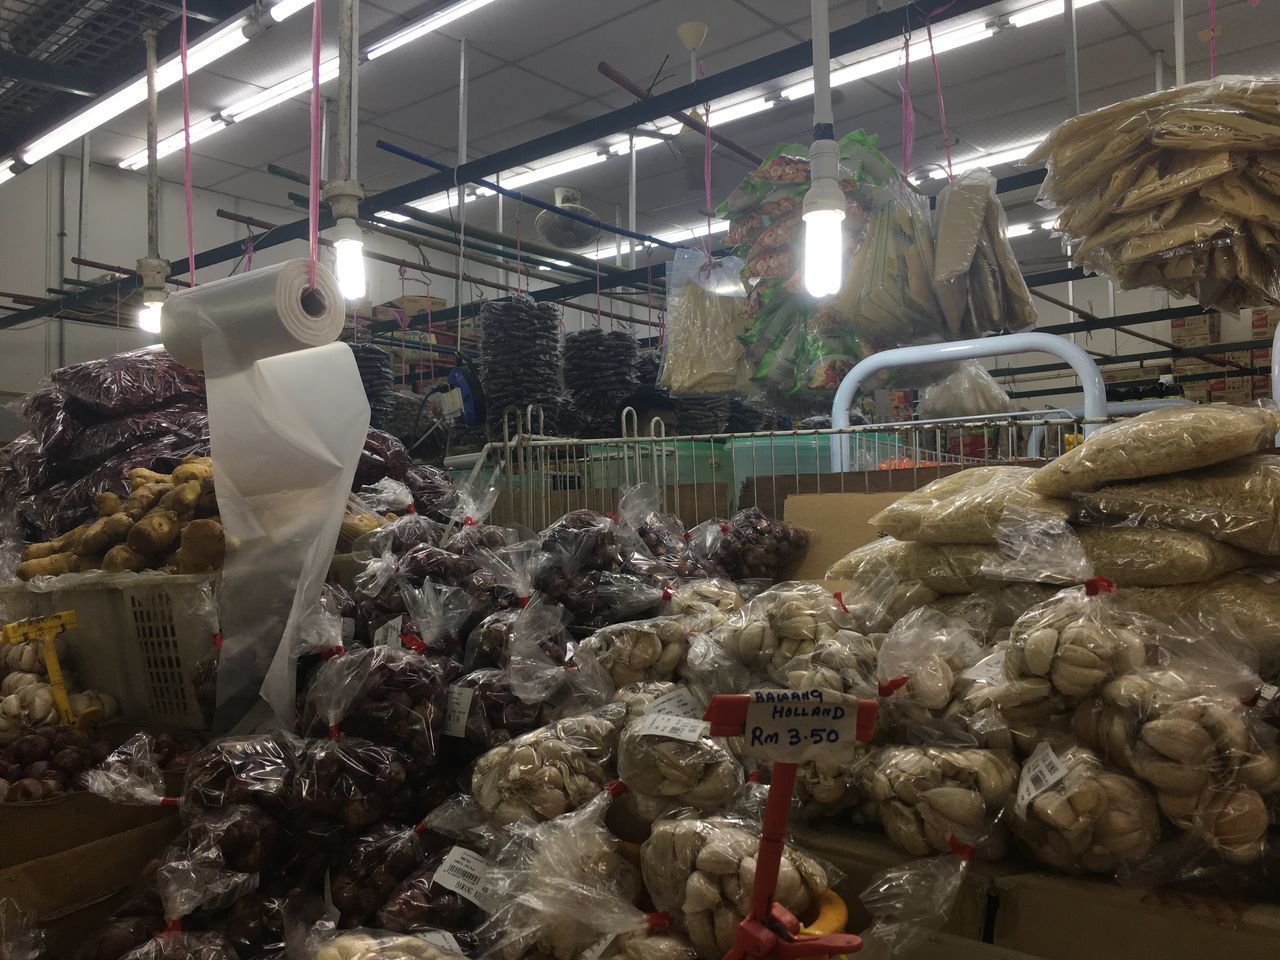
565,232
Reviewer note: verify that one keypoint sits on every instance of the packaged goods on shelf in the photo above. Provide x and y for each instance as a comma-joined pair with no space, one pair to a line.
1175,189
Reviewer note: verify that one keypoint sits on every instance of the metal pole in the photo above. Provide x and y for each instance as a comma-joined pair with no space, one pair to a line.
1179,42
506,277
822,55
631,198
462,158
348,57
1159,55
1073,57
325,104
153,167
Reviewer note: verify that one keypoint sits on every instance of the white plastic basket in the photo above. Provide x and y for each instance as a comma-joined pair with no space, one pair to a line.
140,637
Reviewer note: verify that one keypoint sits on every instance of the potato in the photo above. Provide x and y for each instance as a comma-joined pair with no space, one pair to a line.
197,468
108,503
123,557
51,566
154,533
144,498
141,477
103,533
203,547
182,499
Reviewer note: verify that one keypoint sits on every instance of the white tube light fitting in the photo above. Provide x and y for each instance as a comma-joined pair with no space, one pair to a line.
281,10
421,28
150,315
348,248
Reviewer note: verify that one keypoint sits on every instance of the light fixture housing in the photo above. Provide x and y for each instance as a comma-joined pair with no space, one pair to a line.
348,248
428,24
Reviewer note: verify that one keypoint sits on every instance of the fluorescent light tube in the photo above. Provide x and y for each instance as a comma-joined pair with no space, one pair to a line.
424,26
623,147
1043,11
149,316
892,59
393,217
1019,229
727,114
6,171
282,91
199,55
992,159
283,9
174,142
537,175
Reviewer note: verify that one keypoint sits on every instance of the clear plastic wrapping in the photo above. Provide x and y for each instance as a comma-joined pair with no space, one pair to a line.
910,901
426,899
969,392
702,872
243,837
493,712
347,784
126,382
254,768
666,758
549,771
1168,440
100,440
382,456
1234,502
784,622
365,944
55,419
20,938
929,797
640,650
964,507
750,545
703,354
708,600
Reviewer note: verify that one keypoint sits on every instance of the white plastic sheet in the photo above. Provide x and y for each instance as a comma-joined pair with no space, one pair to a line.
288,418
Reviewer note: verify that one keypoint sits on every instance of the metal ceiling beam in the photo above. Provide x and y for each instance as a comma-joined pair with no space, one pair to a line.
196,10
881,28
54,76
129,64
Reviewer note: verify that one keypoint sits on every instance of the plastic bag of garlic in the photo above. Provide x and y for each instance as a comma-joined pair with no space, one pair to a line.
668,757
360,944
701,872
783,622
640,650
549,771
1183,729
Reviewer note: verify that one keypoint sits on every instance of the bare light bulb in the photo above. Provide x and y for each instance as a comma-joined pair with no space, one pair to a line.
348,248
149,316
823,252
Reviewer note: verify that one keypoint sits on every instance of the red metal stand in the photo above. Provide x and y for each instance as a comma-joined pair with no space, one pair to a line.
770,932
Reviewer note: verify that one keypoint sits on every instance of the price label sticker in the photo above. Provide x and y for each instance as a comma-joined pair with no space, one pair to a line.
1042,770
681,702
672,727
468,875
441,938
1267,693
988,670
456,711
388,635
796,725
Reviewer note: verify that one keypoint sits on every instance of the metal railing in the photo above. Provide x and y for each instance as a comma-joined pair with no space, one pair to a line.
539,478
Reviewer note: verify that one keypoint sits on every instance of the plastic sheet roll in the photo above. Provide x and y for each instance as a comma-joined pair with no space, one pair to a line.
287,417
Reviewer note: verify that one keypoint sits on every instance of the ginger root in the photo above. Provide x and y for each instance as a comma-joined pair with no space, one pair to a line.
123,557
208,505
142,477
197,468
182,499
144,498
50,566
103,533
83,564
67,543
154,533
203,548
108,503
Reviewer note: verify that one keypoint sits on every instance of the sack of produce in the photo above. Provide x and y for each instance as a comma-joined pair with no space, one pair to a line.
55,418
549,771
662,534
701,872
484,711
1134,557
750,545
370,867
964,507
707,600
784,622
640,650
671,757
1169,440
257,769
540,620
435,619
1235,502
125,382
449,890
364,944
704,309
1073,813
931,796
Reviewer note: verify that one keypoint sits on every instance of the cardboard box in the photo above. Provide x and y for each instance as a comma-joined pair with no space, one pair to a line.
1263,322
1196,391
1205,325
1060,918
29,831
61,883
837,523
1261,388
942,946
1261,357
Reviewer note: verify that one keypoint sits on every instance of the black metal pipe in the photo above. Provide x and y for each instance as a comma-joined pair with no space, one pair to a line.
1137,358
1258,371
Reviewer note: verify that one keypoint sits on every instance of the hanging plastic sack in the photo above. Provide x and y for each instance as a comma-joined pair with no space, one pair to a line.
782,623
704,305
969,392
701,872
930,796
1169,440
549,771
385,695
750,545
910,901
1234,502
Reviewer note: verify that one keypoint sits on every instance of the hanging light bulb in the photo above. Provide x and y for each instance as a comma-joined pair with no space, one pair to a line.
348,245
823,208
149,316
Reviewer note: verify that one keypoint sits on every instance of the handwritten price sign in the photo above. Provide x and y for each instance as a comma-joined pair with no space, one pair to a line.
796,725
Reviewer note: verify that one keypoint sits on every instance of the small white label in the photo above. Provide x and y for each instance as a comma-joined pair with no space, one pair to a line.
467,875
681,702
672,727
1041,771
441,938
457,710
795,725
1268,692
988,670
388,635
597,949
